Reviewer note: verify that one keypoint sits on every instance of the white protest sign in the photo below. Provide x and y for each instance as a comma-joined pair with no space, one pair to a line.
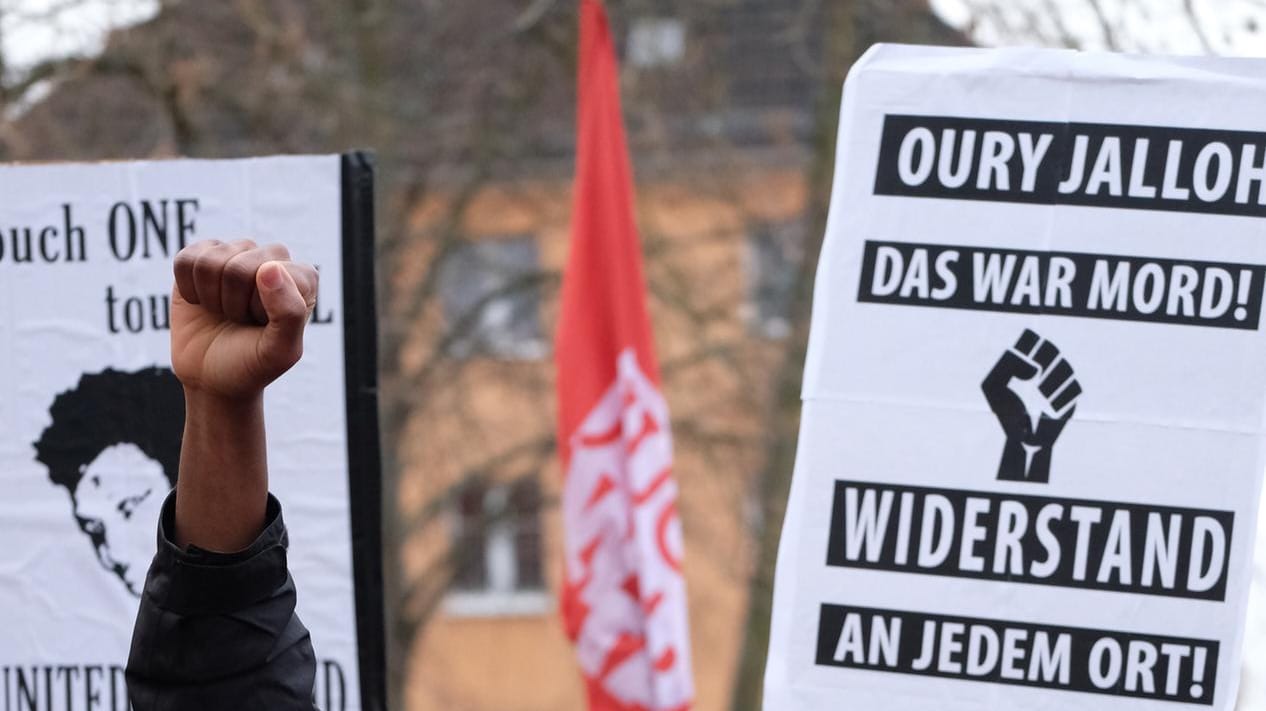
1031,448
91,415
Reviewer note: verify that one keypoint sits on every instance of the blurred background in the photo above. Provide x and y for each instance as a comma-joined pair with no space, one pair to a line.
731,107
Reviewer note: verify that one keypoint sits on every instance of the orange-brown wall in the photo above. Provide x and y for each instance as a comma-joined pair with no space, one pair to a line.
717,380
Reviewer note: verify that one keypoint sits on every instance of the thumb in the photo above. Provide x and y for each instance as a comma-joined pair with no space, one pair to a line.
281,343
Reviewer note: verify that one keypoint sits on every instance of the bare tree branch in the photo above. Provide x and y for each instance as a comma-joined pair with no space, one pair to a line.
531,15
1110,39
1189,7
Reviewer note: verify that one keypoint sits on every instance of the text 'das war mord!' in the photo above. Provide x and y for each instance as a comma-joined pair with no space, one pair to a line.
1128,288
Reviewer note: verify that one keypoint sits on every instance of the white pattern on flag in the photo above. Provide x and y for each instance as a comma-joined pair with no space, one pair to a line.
626,598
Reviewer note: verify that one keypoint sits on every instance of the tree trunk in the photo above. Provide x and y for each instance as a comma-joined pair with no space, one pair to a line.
839,51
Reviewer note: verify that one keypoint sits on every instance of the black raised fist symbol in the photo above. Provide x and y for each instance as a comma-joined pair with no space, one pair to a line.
1033,392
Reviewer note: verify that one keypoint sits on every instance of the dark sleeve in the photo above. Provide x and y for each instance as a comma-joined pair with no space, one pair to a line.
219,631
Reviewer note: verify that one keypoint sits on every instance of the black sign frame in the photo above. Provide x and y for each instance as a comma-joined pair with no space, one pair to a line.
364,457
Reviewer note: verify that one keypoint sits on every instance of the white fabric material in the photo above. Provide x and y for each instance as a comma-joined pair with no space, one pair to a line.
1170,413
62,600
624,547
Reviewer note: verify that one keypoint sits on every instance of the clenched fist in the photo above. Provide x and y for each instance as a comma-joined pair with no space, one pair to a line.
1033,391
238,314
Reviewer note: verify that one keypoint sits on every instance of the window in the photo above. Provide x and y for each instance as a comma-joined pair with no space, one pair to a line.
774,256
656,42
492,299
497,550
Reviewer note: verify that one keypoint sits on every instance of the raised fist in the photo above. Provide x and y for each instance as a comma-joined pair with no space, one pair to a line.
238,314
1033,392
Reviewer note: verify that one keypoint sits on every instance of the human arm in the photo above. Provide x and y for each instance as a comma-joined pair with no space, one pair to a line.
216,626
225,358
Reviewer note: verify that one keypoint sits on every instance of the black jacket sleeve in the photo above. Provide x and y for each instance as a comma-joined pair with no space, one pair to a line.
219,631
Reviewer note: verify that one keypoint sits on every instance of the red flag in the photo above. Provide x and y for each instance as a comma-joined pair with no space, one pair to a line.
623,598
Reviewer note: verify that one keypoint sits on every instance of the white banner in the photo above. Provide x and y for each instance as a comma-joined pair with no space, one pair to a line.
85,279
1031,449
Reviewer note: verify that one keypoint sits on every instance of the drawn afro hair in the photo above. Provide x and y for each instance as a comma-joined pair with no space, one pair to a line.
145,408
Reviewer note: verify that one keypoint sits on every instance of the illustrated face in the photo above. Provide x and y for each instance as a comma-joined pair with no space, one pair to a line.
117,503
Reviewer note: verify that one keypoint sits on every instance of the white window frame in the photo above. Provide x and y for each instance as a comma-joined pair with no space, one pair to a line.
656,42
501,598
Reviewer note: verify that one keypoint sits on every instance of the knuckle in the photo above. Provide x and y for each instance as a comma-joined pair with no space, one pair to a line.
277,251
239,273
187,257
313,284
206,266
183,269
